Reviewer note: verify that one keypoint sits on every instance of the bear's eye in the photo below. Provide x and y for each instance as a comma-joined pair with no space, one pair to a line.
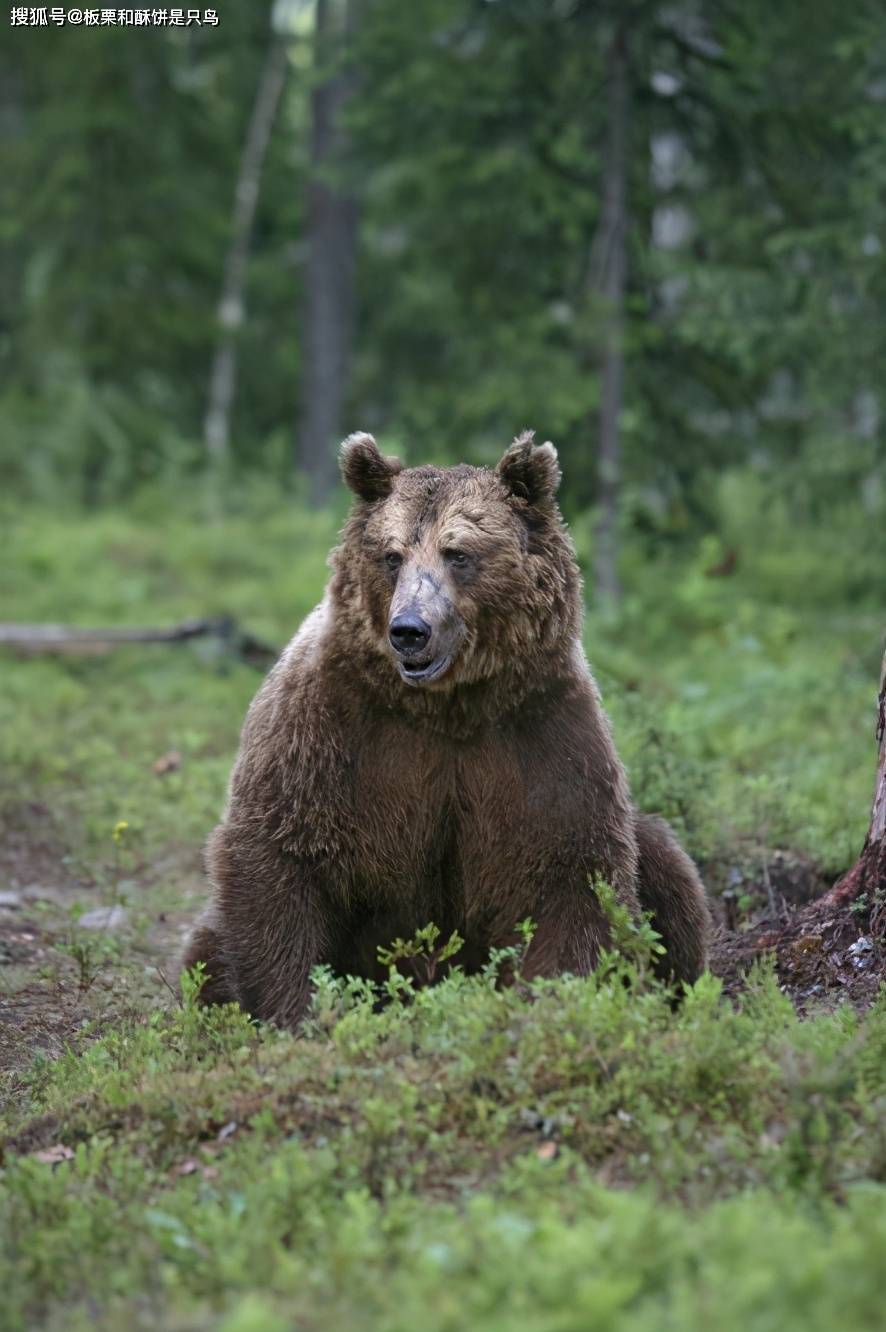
393,560
457,559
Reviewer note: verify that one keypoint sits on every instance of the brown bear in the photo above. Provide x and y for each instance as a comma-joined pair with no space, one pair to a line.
431,747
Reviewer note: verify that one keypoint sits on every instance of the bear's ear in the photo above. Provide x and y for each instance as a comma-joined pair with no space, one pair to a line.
366,471
530,472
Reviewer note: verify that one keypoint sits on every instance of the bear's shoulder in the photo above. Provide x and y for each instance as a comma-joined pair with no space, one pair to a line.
286,715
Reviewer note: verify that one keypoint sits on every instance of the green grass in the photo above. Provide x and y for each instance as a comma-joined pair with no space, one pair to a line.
84,732
569,1155
564,1155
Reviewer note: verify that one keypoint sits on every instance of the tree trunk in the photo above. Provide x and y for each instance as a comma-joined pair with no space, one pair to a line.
223,376
836,943
868,875
877,834
332,215
609,266
866,881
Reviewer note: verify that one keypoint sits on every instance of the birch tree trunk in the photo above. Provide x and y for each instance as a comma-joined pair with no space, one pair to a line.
609,269
231,306
332,216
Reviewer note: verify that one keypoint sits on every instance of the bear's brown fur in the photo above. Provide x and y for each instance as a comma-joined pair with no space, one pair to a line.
431,747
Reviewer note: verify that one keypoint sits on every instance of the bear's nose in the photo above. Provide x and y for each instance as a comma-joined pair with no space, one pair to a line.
408,633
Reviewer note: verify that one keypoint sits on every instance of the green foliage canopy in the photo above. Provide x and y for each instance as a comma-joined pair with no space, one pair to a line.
756,208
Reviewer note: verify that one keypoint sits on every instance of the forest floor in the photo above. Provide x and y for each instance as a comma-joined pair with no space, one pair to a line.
78,949
551,1157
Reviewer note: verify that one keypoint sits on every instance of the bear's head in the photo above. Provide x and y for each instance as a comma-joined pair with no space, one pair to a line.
450,576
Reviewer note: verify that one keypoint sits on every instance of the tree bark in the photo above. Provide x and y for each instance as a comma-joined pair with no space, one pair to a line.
609,271
836,943
231,306
867,878
332,217
871,865
877,834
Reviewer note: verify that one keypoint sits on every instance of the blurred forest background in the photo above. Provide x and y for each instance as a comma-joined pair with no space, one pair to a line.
655,232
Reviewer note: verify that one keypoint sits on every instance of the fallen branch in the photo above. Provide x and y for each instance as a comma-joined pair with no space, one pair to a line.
34,639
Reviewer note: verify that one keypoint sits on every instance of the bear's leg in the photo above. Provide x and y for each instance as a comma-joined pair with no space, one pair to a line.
205,945
669,886
568,938
263,965
548,882
269,923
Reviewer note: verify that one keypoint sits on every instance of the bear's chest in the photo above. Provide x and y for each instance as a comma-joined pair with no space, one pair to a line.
405,811
437,817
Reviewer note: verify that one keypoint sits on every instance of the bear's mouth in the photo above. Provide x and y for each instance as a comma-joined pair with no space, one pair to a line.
422,673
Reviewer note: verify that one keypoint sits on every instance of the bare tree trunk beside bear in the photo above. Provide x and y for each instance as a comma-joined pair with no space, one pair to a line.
432,747
867,878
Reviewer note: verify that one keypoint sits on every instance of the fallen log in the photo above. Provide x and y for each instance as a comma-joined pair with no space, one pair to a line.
36,639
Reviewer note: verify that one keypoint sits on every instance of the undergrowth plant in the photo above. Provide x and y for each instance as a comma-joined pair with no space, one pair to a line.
537,1155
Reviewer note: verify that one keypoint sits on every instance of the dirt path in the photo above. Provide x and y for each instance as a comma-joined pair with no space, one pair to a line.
70,955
